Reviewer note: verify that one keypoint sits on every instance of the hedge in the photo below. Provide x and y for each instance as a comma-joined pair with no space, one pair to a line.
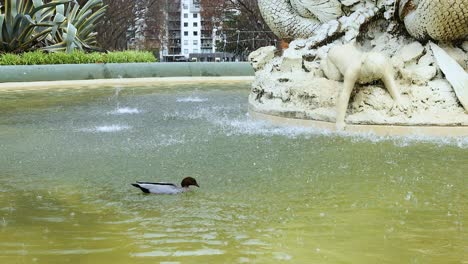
77,57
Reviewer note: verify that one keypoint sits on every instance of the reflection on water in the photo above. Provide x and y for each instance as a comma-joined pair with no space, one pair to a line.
269,194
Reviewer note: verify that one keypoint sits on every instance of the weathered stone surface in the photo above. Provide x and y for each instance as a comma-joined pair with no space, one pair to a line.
410,52
457,54
349,2
427,59
260,57
292,61
454,73
465,46
419,74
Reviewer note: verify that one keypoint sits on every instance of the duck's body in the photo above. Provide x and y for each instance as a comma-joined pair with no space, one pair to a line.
166,188
159,187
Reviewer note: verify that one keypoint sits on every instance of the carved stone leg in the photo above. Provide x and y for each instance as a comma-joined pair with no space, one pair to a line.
390,84
350,79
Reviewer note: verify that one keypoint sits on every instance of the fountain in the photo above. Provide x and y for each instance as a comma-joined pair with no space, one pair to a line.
375,65
269,194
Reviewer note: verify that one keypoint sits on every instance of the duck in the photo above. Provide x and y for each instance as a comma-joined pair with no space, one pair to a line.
166,188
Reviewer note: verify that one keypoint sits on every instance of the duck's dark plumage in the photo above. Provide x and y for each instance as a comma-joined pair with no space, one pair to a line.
141,188
156,183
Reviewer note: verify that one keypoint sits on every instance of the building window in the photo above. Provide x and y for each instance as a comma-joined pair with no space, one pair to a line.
195,15
186,42
195,42
185,24
195,50
195,33
195,24
185,33
186,15
185,51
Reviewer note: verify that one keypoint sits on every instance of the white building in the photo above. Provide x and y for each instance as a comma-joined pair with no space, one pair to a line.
189,36
190,27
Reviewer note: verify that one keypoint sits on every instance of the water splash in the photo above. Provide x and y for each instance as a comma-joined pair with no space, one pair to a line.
191,99
106,129
117,91
111,128
233,121
125,111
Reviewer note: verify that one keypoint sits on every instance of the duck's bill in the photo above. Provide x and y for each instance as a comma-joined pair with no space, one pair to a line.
197,185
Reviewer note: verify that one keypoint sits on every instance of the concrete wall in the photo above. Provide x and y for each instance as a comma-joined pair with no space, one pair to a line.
125,70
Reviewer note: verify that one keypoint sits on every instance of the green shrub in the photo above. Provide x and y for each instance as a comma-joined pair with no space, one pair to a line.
129,56
32,58
10,59
76,57
59,58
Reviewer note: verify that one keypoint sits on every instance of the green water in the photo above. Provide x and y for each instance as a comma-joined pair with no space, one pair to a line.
268,194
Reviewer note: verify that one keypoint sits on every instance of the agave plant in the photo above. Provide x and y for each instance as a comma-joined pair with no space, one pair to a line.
75,27
22,25
58,25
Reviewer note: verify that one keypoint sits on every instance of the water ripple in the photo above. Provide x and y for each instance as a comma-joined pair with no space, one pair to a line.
199,252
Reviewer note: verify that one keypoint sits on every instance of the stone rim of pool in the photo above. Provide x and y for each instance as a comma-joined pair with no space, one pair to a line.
379,130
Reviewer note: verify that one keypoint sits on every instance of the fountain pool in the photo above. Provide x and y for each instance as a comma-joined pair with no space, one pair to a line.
268,194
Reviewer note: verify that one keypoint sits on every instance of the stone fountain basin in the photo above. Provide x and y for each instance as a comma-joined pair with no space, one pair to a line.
288,119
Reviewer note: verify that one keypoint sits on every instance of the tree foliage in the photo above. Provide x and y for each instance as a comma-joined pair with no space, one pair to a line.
121,23
242,28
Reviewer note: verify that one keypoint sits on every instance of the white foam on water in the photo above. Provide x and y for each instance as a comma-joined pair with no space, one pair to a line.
250,126
192,99
254,127
111,128
106,129
125,111
221,117
408,141
245,125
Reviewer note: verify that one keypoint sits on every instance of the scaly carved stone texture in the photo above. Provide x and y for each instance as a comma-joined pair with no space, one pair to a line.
285,21
444,20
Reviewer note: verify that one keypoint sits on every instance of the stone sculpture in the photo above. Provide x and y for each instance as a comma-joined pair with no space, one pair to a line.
427,81
356,66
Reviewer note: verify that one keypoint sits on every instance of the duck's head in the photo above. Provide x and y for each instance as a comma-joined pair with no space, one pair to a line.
186,182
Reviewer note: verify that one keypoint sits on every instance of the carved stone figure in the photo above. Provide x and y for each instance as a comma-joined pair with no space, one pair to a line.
415,79
357,66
